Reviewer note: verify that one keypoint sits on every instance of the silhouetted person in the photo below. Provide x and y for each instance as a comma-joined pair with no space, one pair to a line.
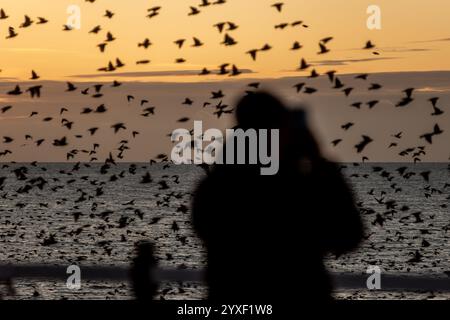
144,286
266,235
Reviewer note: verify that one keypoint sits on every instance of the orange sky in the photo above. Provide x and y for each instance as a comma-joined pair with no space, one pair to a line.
408,28
415,36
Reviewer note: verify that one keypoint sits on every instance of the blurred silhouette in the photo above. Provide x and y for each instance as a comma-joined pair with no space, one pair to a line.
266,236
143,284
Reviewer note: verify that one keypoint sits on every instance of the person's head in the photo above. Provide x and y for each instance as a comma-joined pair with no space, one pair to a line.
260,110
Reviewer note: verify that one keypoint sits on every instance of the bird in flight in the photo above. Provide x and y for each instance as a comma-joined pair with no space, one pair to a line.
180,42
146,43
34,75
28,22
3,15
11,33
429,136
363,144
108,14
369,45
153,12
304,65
42,20
194,11
278,6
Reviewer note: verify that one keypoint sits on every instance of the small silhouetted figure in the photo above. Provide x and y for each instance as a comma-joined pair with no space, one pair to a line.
266,235
144,286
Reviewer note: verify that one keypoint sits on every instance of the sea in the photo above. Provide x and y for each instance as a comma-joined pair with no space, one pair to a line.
66,213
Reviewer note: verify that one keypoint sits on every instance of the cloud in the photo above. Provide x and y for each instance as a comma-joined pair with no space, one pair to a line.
433,89
405,50
165,73
433,40
13,118
38,50
343,62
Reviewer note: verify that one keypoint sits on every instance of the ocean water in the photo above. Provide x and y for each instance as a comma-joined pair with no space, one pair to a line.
92,219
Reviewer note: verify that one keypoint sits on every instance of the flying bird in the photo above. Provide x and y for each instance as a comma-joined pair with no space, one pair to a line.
375,86
296,46
11,33
323,49
42,20
35,91
299,86
429,136
28,22
369,45
108,14
6,108
336,142
304,65
228,40
180,42
118,126
197,42
252,53
96,29
278,6
194,11
60,142
34,75
188,102
363,144
3,15
347,125
146,43
362,76
16,91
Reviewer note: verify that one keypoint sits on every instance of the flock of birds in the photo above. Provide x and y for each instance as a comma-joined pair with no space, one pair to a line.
89,190
401,213
219,109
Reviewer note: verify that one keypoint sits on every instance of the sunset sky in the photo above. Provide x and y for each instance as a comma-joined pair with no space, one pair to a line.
413,47
415,36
